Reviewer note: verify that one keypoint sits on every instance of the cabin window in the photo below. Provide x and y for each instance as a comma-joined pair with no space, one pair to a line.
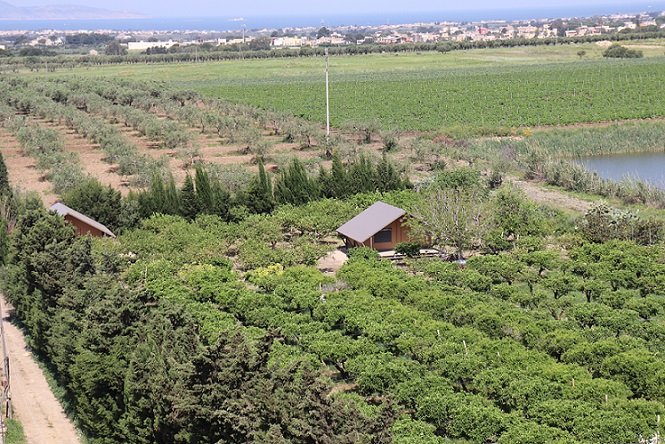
384,236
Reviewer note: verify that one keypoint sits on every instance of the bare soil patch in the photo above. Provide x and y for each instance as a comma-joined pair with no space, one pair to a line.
332,262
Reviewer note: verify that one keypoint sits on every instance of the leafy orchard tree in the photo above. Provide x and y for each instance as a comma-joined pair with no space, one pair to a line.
512,217
454,217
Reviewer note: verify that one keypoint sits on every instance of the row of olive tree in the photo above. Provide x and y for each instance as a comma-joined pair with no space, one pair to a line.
118,149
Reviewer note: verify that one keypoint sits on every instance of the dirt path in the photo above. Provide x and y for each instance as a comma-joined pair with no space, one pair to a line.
538,193
35,406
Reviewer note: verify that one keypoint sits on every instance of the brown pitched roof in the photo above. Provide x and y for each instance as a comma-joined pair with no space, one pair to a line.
63,210
370,222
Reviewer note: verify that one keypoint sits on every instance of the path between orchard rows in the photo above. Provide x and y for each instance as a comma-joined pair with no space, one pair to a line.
43,418
538,193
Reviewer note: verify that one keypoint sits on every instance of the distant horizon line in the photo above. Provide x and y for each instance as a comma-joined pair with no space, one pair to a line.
650,7
235,22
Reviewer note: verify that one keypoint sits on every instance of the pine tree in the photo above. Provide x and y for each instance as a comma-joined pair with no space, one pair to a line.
5,187
204,192
259,197
189,202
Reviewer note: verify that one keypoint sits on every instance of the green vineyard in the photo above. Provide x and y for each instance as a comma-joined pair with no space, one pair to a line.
485,100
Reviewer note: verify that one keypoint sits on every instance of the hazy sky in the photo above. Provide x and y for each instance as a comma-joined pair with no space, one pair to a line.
201,8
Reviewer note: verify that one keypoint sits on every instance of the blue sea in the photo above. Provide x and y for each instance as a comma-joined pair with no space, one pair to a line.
292,21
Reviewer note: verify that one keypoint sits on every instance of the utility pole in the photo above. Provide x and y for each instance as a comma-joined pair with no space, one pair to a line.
327,97
242,47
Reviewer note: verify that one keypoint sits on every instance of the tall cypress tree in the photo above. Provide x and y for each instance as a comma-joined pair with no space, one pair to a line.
189,202
387,178
362,175
339,178
259,194
171,198
4,177
294,185
5,188
221,200
325,183
204,192
157,194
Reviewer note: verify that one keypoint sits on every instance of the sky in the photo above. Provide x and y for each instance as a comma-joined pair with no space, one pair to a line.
231,8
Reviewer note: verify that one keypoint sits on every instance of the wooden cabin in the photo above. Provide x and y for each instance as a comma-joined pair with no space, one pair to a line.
82,223
380,227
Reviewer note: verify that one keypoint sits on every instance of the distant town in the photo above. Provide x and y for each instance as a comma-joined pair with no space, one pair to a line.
148,41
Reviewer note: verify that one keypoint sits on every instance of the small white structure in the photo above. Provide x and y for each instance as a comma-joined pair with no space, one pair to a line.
142,45
289,42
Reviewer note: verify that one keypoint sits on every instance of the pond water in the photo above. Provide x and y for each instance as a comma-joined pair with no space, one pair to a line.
647,167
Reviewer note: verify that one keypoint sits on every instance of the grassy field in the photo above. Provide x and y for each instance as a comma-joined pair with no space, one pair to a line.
482,91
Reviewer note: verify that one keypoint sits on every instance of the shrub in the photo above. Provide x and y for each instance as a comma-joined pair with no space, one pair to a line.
410,249
621,52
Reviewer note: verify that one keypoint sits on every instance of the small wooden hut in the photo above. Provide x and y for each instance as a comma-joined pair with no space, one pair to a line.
82,223
380,227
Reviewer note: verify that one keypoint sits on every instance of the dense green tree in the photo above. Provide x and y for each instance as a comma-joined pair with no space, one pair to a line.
362,175
294,186
189,201
5,187
204,191
621,52
259,196
339,179
101,203
387,177
221,200
114,48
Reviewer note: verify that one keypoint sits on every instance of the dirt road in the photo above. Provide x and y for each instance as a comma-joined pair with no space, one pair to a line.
554,198
35,406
